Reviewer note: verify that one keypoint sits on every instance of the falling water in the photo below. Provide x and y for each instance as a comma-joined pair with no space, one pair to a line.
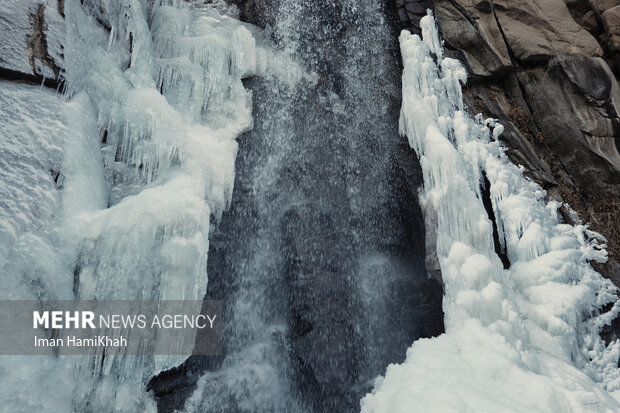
320,259
309,228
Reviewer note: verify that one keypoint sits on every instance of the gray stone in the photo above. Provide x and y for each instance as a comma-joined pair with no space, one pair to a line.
476,36
611,22
536,30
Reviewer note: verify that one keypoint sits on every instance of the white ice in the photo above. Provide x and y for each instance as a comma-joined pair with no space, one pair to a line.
145,147
524,339
16,26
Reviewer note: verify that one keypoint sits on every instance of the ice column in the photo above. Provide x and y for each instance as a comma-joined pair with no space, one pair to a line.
522,339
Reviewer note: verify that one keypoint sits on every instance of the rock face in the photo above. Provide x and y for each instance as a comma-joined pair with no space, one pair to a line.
412,11
32,40
547,69
536,30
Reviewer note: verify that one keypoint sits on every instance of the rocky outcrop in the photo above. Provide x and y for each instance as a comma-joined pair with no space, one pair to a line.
536,30
411,11
547,69
475,33
32,35
603,21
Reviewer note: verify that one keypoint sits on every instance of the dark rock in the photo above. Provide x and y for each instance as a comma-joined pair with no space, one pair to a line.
258,12
589,75
476,36
414,8
611,22
536,30
599,6
590,23
411,11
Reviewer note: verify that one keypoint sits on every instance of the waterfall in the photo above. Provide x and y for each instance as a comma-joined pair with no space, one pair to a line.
194,156
319,260
520,339
148,140
321,257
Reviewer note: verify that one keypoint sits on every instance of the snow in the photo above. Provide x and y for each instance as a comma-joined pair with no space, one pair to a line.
33,133
164,88
170,112
108,193
143,147
522,339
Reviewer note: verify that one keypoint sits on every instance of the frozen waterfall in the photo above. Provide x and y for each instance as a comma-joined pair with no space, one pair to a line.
120,187
155,102
523,339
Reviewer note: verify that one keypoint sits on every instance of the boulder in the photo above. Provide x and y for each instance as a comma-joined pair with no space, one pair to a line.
611,23
471,28
536,30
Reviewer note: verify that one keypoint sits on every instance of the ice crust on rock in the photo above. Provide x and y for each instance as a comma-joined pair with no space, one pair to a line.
144,145
521,339
32,136
165,86
17,26
169,110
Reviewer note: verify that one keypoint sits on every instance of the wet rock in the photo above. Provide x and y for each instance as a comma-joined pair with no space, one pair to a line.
258,12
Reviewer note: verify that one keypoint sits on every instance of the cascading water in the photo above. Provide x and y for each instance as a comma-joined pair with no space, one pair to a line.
159,85
121,191
321,258
319,249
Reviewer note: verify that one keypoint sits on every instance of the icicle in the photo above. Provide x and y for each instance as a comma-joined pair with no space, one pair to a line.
519,339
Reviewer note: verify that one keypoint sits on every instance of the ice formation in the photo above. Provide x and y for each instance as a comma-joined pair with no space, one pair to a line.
125,175
16,21
523,339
